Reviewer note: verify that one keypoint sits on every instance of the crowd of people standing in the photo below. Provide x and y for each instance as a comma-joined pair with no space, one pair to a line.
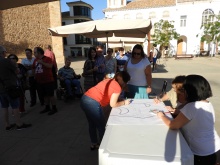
34,73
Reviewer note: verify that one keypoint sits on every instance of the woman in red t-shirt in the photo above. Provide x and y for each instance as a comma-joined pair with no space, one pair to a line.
105,93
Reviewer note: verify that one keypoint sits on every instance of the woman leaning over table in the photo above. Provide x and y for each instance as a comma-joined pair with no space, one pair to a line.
139,68
197,120
104,93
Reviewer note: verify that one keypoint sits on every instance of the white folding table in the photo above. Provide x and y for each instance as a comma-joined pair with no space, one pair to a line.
136,136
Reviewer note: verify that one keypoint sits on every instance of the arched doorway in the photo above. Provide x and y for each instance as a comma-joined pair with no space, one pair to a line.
181,45
205,48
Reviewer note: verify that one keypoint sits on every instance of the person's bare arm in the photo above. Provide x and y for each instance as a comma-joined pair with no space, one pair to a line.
114,101
148,78
177,123
164,98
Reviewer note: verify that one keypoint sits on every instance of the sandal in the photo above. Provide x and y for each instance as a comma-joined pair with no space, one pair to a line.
94,146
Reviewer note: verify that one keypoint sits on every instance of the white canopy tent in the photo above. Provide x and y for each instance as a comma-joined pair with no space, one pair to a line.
136,28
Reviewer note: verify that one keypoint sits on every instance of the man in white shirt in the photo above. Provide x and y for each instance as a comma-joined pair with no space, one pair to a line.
28,62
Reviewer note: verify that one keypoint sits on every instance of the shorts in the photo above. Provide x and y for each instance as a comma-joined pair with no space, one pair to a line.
5,101
46,89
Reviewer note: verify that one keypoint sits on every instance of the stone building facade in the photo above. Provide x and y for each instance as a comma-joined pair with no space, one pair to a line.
26,26
75,44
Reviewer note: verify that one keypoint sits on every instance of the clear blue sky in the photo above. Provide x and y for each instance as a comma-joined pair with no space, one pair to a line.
98,6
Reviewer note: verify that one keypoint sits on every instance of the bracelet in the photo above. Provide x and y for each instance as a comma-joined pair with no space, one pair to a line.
148,86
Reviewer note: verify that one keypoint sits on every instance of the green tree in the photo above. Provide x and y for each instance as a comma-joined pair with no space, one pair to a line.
164,32
211,32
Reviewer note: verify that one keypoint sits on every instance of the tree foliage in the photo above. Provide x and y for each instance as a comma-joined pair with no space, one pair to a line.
164,32
211,30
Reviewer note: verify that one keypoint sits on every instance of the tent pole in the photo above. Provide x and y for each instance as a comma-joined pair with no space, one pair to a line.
106,40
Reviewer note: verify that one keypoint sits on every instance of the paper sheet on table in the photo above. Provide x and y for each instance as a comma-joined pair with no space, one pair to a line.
137,113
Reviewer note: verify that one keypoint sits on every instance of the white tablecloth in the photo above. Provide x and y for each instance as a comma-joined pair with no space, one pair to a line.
136,136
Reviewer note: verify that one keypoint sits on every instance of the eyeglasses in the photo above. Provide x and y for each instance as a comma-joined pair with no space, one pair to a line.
137,54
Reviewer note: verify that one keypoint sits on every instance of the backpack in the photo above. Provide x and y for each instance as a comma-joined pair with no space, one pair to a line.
158,54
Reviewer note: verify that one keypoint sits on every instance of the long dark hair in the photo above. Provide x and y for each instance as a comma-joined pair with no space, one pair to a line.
138,46
90,52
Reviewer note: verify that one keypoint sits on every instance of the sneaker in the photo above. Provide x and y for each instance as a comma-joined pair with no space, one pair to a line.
11,127
23,126
52,112
44,111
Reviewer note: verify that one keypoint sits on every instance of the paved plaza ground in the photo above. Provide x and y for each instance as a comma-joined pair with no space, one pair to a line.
62,139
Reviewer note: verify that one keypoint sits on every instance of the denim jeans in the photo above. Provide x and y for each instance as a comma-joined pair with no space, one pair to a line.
69,83
95,117
5,101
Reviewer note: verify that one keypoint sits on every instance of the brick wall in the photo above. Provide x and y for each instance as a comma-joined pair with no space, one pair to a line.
26,27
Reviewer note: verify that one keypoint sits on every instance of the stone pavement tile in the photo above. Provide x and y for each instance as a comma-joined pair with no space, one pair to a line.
79,152
42,154
19,150
8,162
36,163
7,142
82,156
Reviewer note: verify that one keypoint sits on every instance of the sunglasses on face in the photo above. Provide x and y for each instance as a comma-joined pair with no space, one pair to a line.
137,54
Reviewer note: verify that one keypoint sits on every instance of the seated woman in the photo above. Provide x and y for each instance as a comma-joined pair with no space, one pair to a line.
96,98
68,75
174,95
197,119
